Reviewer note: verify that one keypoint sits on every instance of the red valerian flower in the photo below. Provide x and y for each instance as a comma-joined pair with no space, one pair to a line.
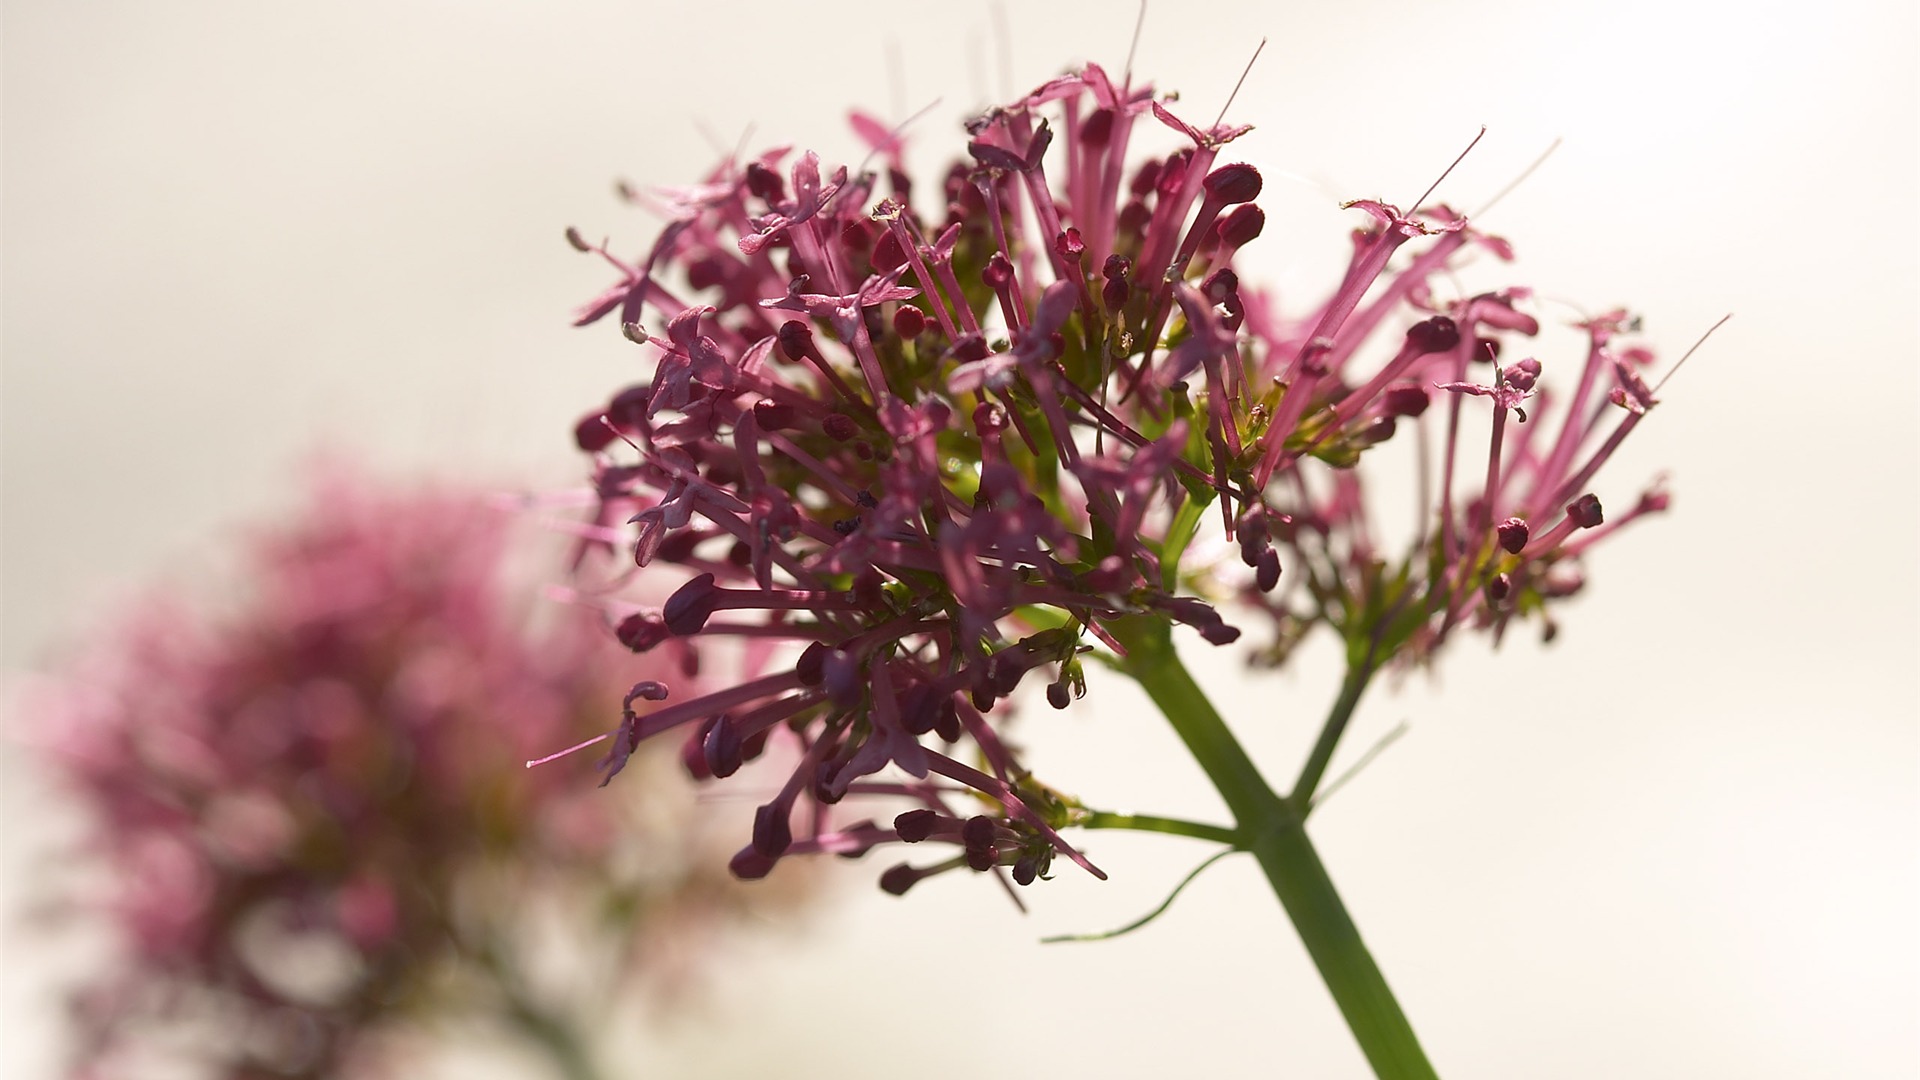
906,452
332,768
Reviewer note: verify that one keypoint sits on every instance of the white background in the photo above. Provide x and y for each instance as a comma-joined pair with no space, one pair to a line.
1679,843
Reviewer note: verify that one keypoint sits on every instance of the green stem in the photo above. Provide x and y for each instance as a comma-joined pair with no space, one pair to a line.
1275,831
1102,819
1351,688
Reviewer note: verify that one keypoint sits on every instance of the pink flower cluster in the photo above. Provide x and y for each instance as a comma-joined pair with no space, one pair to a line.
912,446
332,769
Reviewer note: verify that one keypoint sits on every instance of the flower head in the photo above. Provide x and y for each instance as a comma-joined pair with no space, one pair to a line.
333,769
912,453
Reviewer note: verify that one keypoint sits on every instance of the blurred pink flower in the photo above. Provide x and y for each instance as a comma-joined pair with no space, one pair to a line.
332,769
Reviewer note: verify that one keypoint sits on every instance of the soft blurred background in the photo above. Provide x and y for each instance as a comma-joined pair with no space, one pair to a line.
1682,841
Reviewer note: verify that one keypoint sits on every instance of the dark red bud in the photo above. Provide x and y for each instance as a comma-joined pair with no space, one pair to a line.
898,879
796,340
705,273
750,865
1585,511
1235,183
1437,334
771,833
981,694
1146,178
839,427
1026,870
1405,399
980,831
1377,431
1499,588
578,242
773,415
1267,575
1220,285
593,433
909,322
916,825
693,756
764,182
811,667
1513,535
1058,696
1220,634
1097,128
1241,225
641,632
691,605
722,748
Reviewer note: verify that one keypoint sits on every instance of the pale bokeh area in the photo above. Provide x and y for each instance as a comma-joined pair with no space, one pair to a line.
1679,843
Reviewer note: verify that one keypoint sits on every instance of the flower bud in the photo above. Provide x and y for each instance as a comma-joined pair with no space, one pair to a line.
1513,535
898,879
916,825
1585,511
1437,334
771,833
1267,574
839,427
750,865
593,433
690,606
909,322
1241,225
721,747
1405,399
1235,183
641,632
